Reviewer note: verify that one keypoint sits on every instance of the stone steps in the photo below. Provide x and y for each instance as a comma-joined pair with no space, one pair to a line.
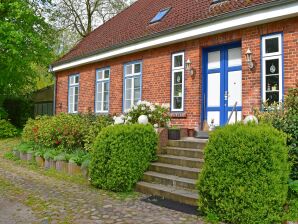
179,171
169,180
172,193
175,173
186,152
181,161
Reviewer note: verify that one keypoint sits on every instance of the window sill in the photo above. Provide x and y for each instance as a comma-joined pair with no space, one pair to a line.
178,115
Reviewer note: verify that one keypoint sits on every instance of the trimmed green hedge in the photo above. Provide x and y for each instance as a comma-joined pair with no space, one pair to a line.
121,155
244,178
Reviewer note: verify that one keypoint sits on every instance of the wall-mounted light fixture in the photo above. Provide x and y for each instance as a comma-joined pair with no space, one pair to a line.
249,59
189,68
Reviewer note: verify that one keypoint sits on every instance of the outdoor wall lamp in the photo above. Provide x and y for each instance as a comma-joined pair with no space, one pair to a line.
189,68
249,59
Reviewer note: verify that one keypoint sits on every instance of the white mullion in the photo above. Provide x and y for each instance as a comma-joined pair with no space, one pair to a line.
102,95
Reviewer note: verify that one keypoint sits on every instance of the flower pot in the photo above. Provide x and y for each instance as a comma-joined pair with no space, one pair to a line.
30,156
23,156
62,166
85,171
40,161
50,164
74,169
16,153
174,134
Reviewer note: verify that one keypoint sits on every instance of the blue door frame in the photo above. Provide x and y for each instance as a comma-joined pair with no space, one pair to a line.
223,70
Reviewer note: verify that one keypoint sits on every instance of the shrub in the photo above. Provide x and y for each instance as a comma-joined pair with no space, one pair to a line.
285,117
3,113
158,115
96,126
121,155
244,178
25,147
7,130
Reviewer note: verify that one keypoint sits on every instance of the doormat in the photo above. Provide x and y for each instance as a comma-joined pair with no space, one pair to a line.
173,205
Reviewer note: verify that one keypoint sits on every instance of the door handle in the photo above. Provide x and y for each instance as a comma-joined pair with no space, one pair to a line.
226,95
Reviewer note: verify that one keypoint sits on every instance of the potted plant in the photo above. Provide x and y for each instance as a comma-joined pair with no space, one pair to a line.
50,163
174,133
30,155
16,152
75,162
85,165
39,157
62,162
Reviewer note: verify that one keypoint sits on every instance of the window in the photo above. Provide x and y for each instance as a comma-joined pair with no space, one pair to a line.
102,90
73,93
177,99
132,84
160,15
272,68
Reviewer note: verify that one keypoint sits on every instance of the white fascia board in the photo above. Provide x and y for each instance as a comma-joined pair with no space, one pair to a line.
233,23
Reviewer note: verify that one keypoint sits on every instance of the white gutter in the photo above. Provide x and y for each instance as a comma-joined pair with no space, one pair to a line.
233,23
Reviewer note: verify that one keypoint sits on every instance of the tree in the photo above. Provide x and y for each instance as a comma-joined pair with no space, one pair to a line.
26,42
83,16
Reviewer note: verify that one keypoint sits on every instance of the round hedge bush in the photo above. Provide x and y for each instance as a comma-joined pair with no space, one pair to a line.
244,178
121,155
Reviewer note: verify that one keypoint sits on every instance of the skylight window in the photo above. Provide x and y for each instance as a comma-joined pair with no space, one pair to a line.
160,15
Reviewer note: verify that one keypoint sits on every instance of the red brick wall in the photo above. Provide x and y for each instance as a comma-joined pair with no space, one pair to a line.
157,72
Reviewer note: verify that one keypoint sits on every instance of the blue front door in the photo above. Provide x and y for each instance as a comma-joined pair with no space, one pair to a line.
222,83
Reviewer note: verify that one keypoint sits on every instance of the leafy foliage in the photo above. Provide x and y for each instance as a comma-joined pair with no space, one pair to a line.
25,39
3,113
287,121
95,128
7,130
121,155
158,115
244,178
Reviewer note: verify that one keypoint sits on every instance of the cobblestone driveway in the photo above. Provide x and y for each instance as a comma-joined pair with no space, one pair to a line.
48,197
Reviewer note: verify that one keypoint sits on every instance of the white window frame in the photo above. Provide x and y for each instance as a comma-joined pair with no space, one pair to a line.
271,56
132,76
175,70
102,82
73,85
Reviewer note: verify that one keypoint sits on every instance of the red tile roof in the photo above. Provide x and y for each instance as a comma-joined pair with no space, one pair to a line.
133,23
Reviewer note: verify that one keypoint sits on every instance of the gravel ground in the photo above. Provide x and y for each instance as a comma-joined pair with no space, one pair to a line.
32,195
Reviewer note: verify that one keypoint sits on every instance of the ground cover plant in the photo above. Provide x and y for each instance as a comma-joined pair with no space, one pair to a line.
245,175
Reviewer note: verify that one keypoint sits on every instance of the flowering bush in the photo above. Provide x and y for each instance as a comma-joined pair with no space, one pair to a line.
158,115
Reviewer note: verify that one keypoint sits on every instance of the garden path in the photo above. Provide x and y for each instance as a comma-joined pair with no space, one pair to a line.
41,196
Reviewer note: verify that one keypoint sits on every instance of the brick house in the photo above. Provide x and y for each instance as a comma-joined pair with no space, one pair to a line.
203,57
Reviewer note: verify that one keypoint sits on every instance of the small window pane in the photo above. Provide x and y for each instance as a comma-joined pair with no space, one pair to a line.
105,106
272,83
98,106
128,83
107,74
272,45
128,69
272,66
178,61
178,90
137,95
76,90
77,79
137,68
137,82
177,102
99,75
272,97
128,94
178,77
106,86
127,104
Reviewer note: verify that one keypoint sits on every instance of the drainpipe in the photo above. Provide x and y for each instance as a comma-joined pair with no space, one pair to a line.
54,95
